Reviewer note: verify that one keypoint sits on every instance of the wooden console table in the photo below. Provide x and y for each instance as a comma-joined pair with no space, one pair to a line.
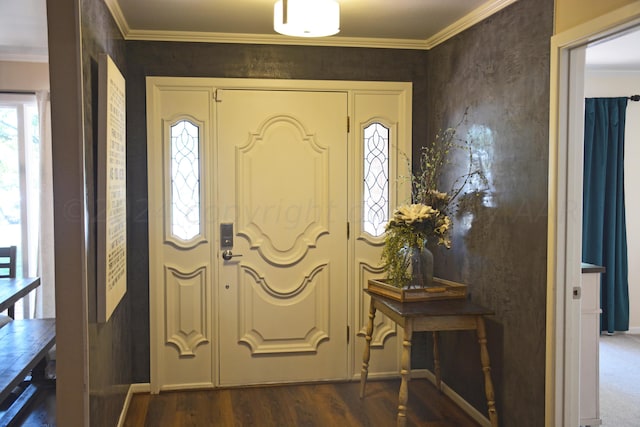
433,316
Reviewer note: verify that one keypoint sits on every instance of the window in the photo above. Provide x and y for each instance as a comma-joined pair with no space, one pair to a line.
376,179
185,180
19,179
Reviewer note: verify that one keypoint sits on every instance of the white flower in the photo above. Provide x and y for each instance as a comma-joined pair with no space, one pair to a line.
414,213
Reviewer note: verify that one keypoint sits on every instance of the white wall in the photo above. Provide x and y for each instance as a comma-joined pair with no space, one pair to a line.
28,76
625,83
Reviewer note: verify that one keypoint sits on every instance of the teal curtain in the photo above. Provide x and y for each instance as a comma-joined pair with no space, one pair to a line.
604,237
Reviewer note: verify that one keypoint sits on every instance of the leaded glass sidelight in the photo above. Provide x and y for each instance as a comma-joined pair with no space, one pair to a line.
376,179
185,180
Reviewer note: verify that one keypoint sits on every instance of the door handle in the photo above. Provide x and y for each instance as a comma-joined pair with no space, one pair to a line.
227,255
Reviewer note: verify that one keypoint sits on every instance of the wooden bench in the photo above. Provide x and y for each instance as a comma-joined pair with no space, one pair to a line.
23,347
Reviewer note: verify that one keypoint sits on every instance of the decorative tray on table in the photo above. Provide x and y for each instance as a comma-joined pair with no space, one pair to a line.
440,289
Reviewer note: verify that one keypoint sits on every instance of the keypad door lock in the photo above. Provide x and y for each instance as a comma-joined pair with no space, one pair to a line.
226,235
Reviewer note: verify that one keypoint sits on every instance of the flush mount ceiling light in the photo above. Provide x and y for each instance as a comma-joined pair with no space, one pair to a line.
306,18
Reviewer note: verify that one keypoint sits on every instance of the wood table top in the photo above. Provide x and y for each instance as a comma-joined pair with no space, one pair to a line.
12,289
23,343
444,307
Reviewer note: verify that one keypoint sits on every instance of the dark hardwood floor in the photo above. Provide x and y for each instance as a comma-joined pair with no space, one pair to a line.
327,404
309,405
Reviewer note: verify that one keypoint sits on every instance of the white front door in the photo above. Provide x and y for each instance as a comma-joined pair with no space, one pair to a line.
273,166
282,163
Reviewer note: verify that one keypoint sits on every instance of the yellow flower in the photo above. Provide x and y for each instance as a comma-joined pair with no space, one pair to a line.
444,227
439,195
444,242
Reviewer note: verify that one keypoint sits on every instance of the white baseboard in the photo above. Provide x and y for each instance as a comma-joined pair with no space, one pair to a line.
451,394
133,388
377,376
634,330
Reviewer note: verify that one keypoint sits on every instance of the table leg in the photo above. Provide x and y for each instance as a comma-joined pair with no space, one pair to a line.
364,372
436,361
405,373
486,368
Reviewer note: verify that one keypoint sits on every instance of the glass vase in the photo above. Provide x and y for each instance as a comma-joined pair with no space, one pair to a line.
421,267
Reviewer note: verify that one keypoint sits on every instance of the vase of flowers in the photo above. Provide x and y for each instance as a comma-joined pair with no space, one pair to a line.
406,259
404,254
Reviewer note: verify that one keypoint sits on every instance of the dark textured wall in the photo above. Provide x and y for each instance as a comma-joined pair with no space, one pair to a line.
109,343
499,70
233,60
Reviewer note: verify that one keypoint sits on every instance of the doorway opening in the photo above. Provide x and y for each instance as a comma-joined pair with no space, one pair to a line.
565,207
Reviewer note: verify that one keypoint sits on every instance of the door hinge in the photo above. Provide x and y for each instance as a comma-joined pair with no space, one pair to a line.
348,124
217,95
348,334
348,231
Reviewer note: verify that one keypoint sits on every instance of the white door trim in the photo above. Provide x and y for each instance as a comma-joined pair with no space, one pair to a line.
565,211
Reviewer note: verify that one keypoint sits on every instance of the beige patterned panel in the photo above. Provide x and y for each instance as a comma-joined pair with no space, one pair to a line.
187,325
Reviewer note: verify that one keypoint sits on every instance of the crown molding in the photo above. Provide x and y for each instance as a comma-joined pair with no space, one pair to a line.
118,16
467,21
206,37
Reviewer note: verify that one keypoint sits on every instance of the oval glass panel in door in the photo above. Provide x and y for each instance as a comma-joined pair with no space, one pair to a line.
376,179
185,180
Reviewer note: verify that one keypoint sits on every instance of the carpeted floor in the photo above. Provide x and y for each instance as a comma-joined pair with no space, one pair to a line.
620,380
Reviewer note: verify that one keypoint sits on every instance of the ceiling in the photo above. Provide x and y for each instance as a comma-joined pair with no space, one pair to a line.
376,23
619,53
408,24
23,30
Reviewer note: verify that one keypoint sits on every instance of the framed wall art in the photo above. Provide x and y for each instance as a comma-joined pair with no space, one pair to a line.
112,189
